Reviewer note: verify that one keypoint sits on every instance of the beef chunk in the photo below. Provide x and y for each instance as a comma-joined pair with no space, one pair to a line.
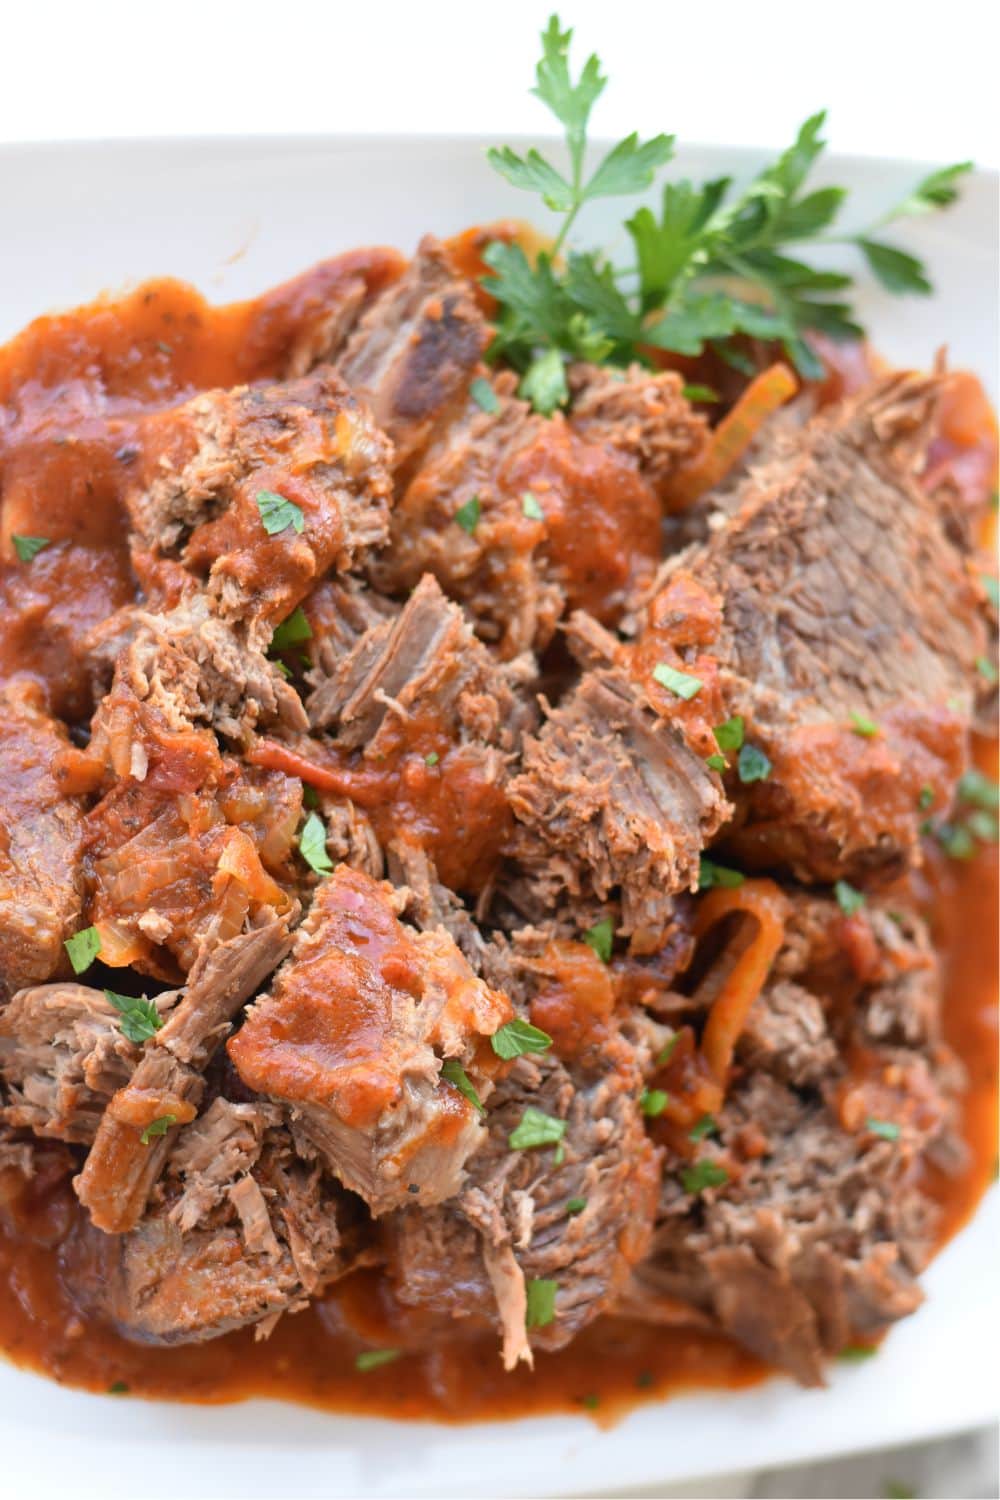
353,1035
62,1056
41,886
644,415
209,460
588,536
814,1235
844,601
425,723
241,1231
612,797
511,1225
415,350
121,1169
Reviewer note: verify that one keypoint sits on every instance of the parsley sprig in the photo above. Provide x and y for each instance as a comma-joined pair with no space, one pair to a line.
711,266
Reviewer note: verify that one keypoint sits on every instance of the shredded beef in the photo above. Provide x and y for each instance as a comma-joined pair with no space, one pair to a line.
844,601
41,887
208,462
643,415
354,1035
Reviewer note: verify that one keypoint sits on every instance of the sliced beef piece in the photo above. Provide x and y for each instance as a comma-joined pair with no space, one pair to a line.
518,1219
358,1034
241,1231
845,605
121,1168
41,886
612,797
62,1056
339,612
519,517
415,351
208,462
424,724
643,414
812,1236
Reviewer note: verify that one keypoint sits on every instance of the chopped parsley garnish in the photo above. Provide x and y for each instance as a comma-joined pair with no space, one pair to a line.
706,1126
861,724
712,266
926,798
983,824
711,874
887,1129
285,671
468,514
312,845
310,796
517,1037
849,900
83,947
668,1050
292,632
452,1070
531,508
979,790
653,1102
536,1129
140,1018
600,937
986,669
717,763
590,1401
729,736
118,1388
374,1359
853,1354
576,1205
990,584
156,1127
703,1174
278,513
753,764
28,547
699,393
484,395
956,839
431,759
541,1308
682,683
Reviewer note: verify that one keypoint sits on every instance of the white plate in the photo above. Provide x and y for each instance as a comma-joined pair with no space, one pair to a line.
79,219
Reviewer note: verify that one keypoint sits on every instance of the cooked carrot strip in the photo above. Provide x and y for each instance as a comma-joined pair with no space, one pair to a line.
762,900
275,757
734,434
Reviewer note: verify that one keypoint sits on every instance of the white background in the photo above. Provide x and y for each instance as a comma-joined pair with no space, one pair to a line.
900,77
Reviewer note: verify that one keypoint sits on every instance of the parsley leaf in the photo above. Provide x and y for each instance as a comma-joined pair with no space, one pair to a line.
374,1359
711,874
703,1174
455,1074
887,1129
979,790
312,845
484,395
863,725
711,265
156,1127
753,764
531,508
140,1018
849,900
653,1102
717,763
575,1205
518,1037
536,1129
681,683
278,513
729,736
706,1126
467,515
28,547
431,758
83,947
855,1354
291,632
541,1308
600,937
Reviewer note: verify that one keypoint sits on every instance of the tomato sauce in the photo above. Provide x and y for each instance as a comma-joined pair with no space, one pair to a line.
72,390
